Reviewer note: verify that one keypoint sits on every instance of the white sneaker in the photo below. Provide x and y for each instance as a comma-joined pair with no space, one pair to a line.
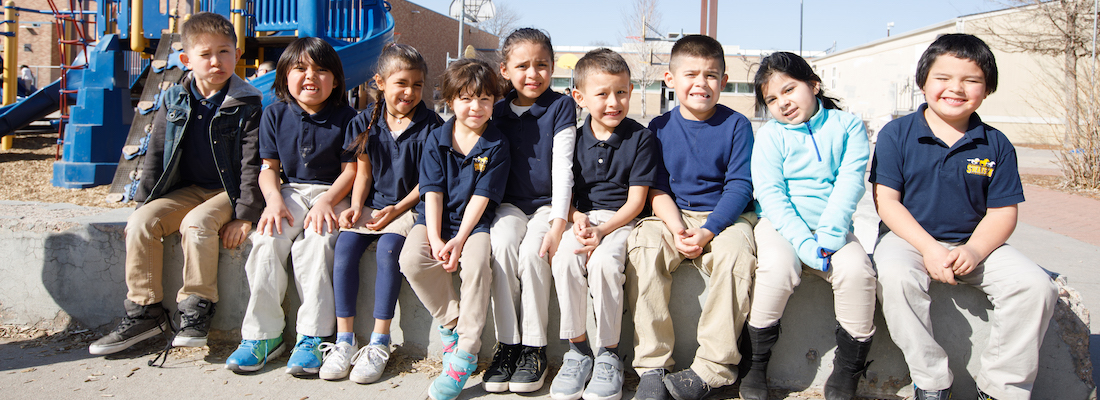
337,358
369,363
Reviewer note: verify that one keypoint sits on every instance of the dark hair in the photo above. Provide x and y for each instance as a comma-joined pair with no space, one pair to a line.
700,46
960,45
323,55
471,76
599,60
206,23
797,68
394,57
519,36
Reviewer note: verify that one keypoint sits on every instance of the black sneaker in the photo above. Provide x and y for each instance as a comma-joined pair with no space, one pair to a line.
984,396
500,371
530,370
686,385
651,386
195,316
140,323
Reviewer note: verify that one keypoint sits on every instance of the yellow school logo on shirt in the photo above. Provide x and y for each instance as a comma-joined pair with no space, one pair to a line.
480,163
982,167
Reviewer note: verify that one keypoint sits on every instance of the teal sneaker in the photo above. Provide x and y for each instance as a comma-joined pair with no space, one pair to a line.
457,367
448,338
251,355
306,358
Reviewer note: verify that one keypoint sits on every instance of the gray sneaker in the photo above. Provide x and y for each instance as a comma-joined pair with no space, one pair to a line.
576,370
370,362
139,323
607,381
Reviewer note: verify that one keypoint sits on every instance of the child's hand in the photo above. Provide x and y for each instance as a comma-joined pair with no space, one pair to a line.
234,233
349,216
697,237
590,239
452,251
689,250
436,245
381,218
271,221
552,239
580,226
962,260
318,215
935,262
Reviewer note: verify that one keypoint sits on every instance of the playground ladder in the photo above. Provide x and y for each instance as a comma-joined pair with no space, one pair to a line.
75,20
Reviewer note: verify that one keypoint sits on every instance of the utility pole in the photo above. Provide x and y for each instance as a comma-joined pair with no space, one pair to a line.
801,7
461,27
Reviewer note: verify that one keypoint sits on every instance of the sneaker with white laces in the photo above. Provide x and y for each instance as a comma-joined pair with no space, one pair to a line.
369,363
337,360
575,372
607,378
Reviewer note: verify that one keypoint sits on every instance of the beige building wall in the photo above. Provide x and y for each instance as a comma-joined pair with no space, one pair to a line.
37,42
877,80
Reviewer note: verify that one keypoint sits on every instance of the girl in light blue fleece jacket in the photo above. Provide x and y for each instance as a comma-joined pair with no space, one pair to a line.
807,174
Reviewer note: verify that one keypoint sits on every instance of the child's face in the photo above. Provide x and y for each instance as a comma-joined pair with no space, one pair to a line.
402,90
212,59
528,67
473,111
607,98
698,82
955,88
309,84
789,100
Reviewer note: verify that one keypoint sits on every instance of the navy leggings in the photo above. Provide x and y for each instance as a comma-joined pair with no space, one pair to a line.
345,275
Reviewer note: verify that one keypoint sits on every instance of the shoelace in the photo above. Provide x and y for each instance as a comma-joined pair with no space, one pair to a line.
604,372
531,362
502,356
573,368
167,346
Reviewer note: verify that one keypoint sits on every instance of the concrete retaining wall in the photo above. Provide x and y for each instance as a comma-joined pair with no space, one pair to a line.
64,263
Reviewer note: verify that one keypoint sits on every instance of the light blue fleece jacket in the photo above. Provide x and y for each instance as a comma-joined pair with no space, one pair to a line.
807,179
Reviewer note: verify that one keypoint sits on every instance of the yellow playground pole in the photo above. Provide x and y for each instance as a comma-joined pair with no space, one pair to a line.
137,19
238,21
10,62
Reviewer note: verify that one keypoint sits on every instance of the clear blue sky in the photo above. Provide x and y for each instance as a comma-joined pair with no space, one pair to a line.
767,25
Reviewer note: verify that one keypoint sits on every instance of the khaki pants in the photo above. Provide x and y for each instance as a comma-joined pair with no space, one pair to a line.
202,212
434,287
729,259
1023,298
575,275
521,279
312,255
779,271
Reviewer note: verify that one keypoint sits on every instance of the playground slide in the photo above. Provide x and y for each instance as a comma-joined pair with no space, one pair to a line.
32,108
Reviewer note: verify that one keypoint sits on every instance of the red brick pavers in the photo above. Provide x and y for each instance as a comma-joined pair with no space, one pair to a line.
1067,214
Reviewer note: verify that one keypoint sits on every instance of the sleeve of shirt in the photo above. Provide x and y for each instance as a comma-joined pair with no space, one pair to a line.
269,126
431,166
1005,188
836,218
357,126
644,170
348,155
660,180
886,165
493,183
737,192
770,189
561,172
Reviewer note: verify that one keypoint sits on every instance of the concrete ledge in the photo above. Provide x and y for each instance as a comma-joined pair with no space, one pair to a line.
64,263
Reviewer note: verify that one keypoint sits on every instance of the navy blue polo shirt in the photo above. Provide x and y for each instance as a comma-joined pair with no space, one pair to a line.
394,162
482,172
196,164
310,148
531,137
705,164
604,170
947,188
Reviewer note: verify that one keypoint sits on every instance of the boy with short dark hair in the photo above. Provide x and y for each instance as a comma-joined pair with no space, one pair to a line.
943,157
614,164
702,203
200,179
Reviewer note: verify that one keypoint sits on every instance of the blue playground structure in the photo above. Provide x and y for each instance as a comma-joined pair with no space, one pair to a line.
102,135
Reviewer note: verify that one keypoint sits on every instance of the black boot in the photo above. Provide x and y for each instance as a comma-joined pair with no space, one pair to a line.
849,363
754,386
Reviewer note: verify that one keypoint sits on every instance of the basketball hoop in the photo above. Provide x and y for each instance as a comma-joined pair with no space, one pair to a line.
476,10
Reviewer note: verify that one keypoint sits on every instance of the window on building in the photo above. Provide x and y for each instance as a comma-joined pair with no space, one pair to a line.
559,83
738,88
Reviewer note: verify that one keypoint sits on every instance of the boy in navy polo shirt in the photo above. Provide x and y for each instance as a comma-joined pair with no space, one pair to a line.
702,203
613,166
199,178
943,158
463,172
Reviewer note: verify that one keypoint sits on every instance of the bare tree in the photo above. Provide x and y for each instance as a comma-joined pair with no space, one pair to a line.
640,22
503,23
1063,29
